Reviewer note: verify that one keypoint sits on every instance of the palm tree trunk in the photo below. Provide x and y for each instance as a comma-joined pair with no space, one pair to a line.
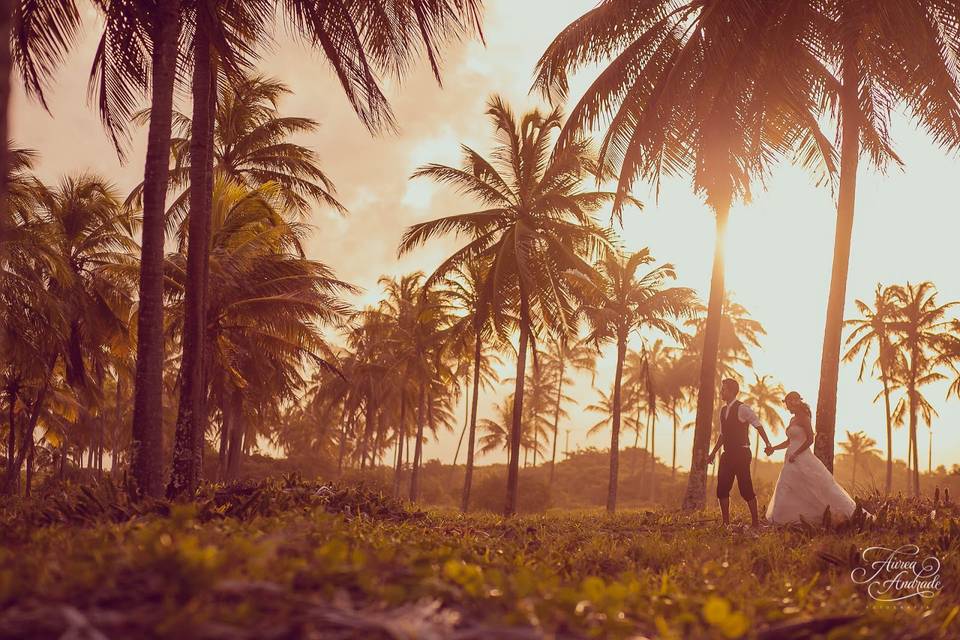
472,438
853,480
12,391
673,464
11,480
342,449
930,451
615,430
886,406
463,431
909,460
235,444
696,493
115,448
833,328
652,484
418,445
516,428
913,438
31,445
191,417
645,462
556,418
368,429
401,433
224,443
6,15
636,443
147,447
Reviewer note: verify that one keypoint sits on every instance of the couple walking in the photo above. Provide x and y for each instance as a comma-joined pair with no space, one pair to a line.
805,487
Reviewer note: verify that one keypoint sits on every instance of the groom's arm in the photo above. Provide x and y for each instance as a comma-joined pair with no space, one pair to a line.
716,448
748,415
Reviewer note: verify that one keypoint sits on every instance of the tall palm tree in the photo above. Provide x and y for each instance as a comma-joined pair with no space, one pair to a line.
873,329
764,398
617,301
655,361
139,49
223,31
536,222
738,334
86,235
538,408
883,55
678,379
560,354
919,328
634,376
266,310
497,431
476,326
684,93
858,445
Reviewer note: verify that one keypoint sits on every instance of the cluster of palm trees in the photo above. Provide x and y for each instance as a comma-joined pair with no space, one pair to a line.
717,91
908,340
70,308
146,49
721,91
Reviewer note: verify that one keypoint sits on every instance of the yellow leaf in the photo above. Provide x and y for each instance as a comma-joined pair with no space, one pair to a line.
735,625
716,610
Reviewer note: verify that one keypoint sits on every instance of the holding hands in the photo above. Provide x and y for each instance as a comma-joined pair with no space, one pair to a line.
769,449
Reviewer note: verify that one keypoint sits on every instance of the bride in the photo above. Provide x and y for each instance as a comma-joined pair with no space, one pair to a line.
805,487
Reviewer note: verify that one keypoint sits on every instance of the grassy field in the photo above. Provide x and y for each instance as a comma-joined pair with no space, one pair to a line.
301,560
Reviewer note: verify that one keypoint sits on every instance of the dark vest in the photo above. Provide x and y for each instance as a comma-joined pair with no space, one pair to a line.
734,430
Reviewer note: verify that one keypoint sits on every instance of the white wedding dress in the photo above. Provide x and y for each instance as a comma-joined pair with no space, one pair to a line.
805,487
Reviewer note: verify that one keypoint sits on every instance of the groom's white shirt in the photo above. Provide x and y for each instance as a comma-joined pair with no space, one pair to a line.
745,413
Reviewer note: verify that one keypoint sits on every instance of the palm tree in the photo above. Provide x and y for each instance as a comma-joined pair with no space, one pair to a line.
498,433
560,354
419,330
882,56
536,223
360,41
539,407
679,98
221,30
678,379
66,244
634,377
226,31
873,328
919,328
764,398
950,350
618,301
252,145
858,444
266,309
655,361
464,285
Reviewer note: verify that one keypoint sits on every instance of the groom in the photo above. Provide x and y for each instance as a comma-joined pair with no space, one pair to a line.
735,421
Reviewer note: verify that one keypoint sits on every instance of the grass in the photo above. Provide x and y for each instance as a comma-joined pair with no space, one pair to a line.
292,559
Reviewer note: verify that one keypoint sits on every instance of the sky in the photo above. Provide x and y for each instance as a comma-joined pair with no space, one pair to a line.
779,245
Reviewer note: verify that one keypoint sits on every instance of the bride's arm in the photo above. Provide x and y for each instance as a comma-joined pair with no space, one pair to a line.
804,422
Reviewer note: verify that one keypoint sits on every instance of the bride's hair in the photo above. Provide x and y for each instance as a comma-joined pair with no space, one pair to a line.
804,407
